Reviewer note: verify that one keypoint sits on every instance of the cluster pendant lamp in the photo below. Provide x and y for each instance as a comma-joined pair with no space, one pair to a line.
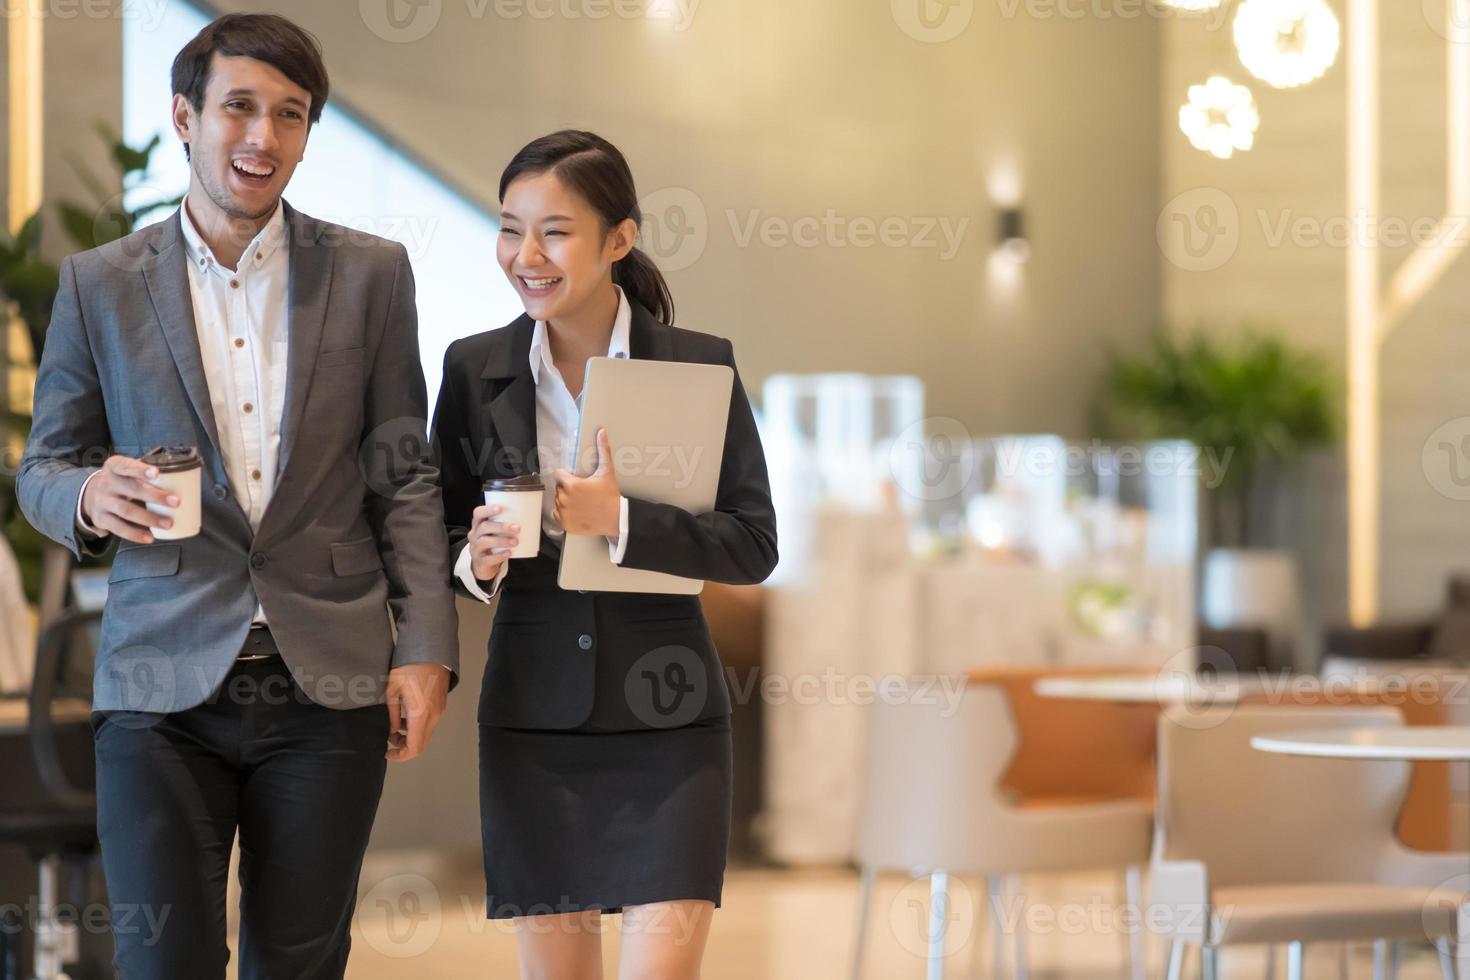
1284,43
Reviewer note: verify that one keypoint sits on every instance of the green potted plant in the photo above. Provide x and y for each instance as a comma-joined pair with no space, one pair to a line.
28,285
1251,400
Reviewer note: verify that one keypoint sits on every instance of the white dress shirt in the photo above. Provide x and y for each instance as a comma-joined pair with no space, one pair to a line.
557,416
242,319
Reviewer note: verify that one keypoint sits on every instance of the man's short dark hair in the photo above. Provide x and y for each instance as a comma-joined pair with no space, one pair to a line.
270,38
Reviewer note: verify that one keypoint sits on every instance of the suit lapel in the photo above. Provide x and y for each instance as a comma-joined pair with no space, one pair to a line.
310,272
511,392
167,279
168,288
511,406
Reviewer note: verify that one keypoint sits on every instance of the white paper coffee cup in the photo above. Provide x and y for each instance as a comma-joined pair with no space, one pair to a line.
520,496
180,472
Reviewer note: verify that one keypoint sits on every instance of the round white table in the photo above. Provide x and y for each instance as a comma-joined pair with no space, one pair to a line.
1426,743
1163,688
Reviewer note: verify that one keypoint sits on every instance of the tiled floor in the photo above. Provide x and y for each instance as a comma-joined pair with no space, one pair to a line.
784,925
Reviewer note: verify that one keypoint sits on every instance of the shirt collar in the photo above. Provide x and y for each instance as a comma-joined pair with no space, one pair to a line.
617,346
270,237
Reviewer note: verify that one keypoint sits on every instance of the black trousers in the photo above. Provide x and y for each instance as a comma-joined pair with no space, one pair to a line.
298,781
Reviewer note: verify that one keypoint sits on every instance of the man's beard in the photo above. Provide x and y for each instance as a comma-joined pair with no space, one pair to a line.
221,196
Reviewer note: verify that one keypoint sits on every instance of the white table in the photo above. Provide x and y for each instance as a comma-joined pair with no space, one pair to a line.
1162,688
1426,743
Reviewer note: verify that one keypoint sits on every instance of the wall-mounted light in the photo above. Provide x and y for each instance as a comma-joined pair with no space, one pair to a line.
1010,235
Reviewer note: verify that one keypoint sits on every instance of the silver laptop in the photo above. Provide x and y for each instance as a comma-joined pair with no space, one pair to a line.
665,422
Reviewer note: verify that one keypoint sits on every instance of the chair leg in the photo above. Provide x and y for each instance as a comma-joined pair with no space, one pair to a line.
1446,963
938,920
996,891
55,941
1209,963
1344,950
1394,949
977,935
1133,895
1270,963
1380,959
865,904
1176,958
1294,961
1022,966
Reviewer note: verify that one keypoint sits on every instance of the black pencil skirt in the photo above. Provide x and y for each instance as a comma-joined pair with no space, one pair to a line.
579,820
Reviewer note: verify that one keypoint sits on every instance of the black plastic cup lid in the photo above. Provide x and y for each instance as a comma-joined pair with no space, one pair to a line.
173,459
526,481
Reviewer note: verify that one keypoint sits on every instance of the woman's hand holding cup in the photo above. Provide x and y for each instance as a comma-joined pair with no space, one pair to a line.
491,541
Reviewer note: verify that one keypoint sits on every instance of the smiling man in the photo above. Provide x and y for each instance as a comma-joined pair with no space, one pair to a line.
243,672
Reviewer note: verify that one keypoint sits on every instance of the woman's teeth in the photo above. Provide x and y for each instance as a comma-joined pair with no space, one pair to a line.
540,284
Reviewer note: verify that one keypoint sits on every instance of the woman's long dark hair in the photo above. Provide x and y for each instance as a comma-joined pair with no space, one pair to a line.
595,169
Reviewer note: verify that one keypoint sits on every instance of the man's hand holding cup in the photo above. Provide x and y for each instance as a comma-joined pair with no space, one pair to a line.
115,500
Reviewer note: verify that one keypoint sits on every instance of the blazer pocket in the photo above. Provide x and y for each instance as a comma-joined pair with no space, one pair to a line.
348,355
148,561
356,557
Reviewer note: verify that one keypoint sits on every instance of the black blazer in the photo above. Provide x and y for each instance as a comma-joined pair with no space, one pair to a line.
563,659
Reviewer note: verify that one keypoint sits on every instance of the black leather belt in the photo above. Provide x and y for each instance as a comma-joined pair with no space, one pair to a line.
259,644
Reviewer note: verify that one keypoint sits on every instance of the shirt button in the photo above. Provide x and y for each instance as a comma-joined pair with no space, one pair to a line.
234,284
249,408
255,474
239,341
257,560
584,641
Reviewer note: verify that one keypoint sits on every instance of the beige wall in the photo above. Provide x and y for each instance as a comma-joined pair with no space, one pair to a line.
74,101
788,110
82,84
1295,179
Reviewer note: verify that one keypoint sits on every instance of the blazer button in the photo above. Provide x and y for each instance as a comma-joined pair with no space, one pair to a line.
220,493
257,560
581,592
584,641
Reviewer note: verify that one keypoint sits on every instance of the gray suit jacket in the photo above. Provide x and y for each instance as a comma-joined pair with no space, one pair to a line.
355,529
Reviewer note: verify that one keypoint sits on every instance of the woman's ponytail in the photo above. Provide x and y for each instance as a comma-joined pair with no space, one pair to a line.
595,169
645,285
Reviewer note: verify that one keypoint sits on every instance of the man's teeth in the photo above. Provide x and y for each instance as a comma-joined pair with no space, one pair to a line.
541,283
254,170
